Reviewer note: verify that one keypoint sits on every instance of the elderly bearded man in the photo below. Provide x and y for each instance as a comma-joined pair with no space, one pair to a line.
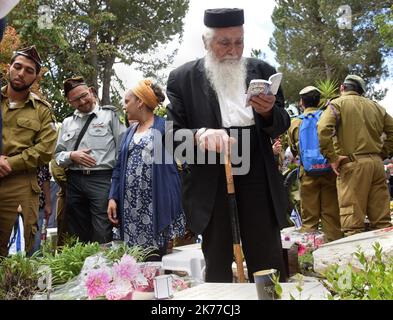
208,96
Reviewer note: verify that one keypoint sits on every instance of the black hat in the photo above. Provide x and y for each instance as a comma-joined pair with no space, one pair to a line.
72,83
224,17
31,53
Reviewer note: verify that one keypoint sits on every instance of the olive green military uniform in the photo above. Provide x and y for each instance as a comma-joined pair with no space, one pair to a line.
361,185
28,141
318,194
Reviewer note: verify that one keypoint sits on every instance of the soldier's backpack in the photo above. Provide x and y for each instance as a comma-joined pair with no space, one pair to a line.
313,161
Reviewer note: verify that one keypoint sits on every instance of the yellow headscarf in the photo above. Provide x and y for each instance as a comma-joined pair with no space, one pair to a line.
144,92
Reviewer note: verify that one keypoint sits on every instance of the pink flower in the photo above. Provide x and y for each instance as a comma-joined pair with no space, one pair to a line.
121,280
97,283
114,294
148,273
142,288
126,268
319,241
179,284
301,249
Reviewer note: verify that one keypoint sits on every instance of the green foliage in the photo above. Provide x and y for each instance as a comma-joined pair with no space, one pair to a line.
277,286
374,281
160,111
140,254
88,37
292,166
310,46
19,274
299,287
68,262
306,263
329,90
18,277
257,53
384,23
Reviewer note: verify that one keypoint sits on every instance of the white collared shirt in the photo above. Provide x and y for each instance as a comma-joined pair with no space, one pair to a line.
234,112
103,137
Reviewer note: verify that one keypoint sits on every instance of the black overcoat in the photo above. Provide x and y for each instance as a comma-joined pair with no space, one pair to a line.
194,105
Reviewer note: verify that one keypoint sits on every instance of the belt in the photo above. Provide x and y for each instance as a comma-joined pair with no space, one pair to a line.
91,172
354,157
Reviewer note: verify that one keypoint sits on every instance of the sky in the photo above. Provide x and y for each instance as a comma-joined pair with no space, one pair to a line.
258,29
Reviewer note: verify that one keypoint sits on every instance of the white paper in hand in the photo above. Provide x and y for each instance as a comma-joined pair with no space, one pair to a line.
258,86
275,81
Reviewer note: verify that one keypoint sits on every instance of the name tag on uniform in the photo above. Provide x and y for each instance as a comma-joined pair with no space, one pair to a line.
98,125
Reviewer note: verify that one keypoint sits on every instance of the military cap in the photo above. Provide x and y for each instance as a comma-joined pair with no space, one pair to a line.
30,53
72,83
309,89
224,17
354,79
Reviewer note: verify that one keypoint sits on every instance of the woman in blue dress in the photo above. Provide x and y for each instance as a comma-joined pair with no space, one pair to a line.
145,196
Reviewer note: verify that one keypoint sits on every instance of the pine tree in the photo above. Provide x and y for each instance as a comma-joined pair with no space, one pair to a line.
315,40
87,37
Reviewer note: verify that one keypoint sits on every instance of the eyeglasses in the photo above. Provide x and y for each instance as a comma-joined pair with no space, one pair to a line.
82,96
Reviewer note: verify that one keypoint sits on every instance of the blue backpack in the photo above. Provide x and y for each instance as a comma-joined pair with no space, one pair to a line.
313,161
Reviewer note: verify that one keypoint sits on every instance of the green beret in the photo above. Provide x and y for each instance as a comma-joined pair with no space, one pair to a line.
354,79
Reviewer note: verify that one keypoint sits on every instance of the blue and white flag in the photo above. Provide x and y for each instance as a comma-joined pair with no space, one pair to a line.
16,243
296,218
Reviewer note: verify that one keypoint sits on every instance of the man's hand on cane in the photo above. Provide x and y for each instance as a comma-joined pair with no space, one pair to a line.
216,140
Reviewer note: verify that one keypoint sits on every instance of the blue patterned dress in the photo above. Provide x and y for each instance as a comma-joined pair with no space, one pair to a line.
138,206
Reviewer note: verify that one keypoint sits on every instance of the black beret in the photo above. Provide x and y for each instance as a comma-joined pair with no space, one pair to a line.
72,83
224,17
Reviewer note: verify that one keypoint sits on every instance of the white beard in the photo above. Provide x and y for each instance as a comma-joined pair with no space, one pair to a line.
227,78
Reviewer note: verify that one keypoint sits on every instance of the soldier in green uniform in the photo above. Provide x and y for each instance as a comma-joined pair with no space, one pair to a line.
28,141
318,194
358,123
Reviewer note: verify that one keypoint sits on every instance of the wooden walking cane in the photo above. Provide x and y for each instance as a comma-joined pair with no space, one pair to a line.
237,249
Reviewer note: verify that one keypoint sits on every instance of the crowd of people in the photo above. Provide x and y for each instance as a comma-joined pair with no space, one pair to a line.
132,183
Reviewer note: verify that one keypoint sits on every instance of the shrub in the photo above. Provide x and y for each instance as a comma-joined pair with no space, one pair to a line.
18,277
374,281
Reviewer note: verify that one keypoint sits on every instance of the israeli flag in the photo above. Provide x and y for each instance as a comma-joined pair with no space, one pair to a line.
296,218
16,243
